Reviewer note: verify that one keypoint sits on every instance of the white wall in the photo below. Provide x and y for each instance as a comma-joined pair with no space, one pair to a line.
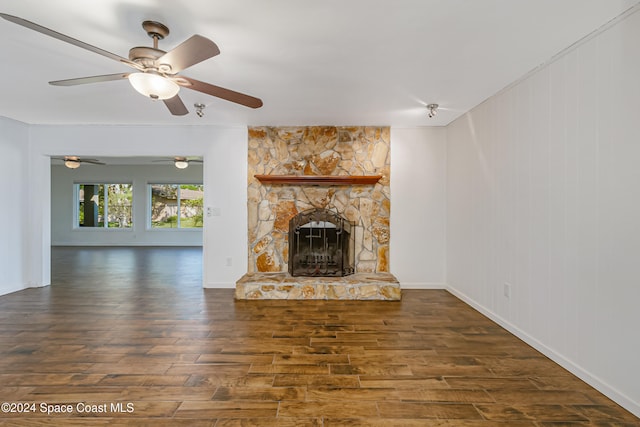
224,178
14,144
64,232
418,216
417,250
543,192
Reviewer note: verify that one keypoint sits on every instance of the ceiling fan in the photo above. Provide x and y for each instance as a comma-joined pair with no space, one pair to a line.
179,161
73,162
156,71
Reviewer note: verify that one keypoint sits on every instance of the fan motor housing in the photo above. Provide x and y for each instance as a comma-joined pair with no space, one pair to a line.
147,57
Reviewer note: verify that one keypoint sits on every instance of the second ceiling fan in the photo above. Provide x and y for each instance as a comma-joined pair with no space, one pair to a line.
179,161
156,71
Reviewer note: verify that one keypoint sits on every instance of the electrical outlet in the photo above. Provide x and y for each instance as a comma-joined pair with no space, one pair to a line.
507,290
229,261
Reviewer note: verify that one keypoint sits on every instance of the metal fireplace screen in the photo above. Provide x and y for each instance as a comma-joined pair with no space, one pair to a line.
320,244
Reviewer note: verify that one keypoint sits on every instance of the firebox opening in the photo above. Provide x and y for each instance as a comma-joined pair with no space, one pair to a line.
320,244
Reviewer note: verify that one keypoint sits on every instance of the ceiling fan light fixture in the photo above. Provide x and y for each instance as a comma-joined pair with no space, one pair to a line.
181,163
72,163
153,85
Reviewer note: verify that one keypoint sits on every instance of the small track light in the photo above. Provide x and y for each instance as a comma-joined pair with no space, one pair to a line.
199,109
433,109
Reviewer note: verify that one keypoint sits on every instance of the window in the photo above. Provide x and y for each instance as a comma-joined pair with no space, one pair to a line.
104,205
176,205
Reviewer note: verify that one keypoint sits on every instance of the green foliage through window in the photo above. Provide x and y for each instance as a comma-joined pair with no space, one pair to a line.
105,205
177,205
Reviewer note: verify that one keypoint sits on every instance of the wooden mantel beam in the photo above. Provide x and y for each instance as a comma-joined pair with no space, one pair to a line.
319,179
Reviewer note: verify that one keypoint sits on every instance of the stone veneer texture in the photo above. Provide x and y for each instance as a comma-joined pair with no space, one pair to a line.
318,150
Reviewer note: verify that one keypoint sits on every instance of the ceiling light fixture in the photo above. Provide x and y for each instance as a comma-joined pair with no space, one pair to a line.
181,162
154,85
72,163
433,109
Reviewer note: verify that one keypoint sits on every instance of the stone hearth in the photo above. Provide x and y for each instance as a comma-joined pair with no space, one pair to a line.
281,285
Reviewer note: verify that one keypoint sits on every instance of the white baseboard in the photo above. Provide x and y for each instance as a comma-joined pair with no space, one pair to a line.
219,285
413,285
126,244
9,289
422,285
600,385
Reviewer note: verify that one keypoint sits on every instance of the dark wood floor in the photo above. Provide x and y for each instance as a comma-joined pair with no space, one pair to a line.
131,332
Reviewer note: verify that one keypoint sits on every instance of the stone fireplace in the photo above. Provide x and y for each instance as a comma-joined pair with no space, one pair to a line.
332,166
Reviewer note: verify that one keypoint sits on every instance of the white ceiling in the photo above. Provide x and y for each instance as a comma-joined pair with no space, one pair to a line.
338,62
